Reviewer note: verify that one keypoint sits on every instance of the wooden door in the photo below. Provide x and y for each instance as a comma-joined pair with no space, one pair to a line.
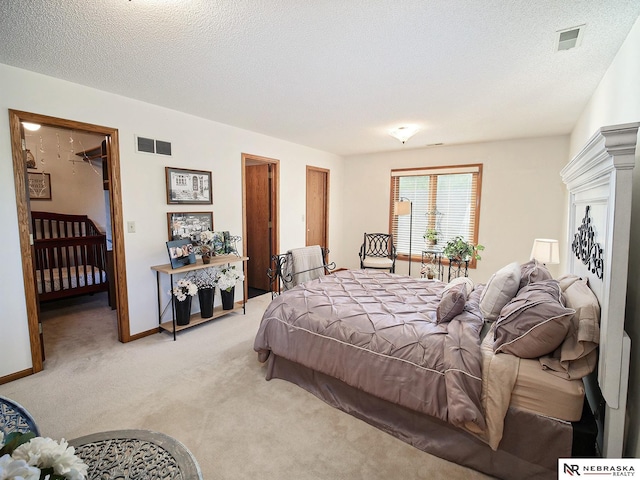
258,230
317,207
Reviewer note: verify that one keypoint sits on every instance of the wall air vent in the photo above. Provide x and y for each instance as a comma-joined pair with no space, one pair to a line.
149,145
569,38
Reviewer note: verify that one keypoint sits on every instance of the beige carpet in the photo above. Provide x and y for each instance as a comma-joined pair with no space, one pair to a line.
208,390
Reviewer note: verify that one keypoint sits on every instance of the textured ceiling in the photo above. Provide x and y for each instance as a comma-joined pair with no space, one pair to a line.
332,74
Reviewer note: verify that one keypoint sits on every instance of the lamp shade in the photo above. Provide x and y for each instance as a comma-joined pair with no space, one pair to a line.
546,250
402,208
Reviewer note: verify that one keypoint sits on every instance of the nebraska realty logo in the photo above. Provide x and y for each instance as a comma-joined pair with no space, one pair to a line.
594,468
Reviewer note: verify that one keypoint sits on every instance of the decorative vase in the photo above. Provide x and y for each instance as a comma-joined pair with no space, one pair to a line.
205,296
183,310
206,258
227,298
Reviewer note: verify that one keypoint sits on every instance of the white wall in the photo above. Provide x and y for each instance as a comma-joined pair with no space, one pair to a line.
617,101
522,196
196,144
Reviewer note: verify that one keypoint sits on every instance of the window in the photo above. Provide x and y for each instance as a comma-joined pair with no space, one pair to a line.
445,199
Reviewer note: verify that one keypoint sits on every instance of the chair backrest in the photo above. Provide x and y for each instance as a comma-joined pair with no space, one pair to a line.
378,245
15,418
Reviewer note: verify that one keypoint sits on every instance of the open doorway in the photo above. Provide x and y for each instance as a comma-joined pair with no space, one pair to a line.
112,198
261,241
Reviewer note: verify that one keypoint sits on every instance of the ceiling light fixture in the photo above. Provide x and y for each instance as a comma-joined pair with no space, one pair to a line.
404,133
32,127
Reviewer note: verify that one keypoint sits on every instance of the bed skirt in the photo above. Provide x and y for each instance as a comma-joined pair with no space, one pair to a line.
530,447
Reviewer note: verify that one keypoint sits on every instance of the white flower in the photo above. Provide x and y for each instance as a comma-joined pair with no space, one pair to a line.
183,288
11,469
206,237
45,453
228,277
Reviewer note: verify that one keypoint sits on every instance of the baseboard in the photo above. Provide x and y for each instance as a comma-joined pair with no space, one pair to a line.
15,376
140,335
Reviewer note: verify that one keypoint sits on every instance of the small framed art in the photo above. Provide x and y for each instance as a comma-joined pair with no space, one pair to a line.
188,186
182,225
39,186
181,253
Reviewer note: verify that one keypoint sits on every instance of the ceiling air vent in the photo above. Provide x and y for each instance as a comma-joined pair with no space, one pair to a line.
149,145
569,38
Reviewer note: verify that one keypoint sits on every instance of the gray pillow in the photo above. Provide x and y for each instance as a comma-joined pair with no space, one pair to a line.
501,288
533,271
534,323
451,304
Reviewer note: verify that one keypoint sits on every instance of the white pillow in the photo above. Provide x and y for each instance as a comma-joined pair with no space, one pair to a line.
501,288
468,285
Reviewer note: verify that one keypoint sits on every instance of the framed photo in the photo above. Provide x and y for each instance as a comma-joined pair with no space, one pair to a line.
39,186
188,186
181,253
183,224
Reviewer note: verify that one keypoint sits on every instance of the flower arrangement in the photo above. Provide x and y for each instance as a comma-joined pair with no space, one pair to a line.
183,288
204,242
27,457
228,277
204,278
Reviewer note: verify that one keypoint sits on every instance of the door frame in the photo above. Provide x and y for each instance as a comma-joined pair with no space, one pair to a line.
16,118
327,173
274,206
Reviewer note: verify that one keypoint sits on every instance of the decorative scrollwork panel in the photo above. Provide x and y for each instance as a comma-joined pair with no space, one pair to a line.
586,248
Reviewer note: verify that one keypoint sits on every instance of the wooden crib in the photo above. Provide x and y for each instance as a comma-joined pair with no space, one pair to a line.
70,255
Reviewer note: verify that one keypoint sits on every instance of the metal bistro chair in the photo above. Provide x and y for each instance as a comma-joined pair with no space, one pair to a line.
378,251
15,418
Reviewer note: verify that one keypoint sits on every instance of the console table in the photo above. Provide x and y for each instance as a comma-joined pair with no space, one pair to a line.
218,260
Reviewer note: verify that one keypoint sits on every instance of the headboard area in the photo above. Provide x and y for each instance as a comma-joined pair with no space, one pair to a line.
599,180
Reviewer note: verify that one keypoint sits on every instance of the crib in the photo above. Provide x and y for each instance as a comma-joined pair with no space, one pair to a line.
70,255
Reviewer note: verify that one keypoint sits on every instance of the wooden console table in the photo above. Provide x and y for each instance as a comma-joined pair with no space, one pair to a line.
218,260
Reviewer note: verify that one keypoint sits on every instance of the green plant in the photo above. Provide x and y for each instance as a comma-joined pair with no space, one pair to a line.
431,235
459,249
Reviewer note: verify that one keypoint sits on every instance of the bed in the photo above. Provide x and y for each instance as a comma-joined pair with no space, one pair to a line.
452,377
70,255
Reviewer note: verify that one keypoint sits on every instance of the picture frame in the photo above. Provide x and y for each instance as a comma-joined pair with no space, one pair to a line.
182,225
188,187
39,186
181,253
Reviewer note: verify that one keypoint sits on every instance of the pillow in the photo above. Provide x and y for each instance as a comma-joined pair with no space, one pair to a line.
466,281
502,287
534,323
451,304
533,271
577,356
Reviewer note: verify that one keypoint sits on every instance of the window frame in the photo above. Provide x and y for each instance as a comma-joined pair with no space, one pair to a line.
445,169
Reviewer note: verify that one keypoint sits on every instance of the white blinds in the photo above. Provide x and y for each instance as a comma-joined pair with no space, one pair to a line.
444,199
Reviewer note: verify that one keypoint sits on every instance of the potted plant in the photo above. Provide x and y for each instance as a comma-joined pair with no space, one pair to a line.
460,250
430,271
204,244
226,281
205,279
431,236
183,291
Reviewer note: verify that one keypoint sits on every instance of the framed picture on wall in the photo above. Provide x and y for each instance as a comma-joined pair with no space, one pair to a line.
182,225
188,186
39,186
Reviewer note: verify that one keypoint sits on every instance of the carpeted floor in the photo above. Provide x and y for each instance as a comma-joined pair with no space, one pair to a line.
206,389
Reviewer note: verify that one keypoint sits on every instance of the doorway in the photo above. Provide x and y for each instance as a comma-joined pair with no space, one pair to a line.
23,204
317,209
260,219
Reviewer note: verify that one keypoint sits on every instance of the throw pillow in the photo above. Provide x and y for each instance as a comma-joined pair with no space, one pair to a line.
534,323
451,304
501,288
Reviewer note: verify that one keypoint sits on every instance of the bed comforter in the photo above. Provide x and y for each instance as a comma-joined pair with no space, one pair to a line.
377,332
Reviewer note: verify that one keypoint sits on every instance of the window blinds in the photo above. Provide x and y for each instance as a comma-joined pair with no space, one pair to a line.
445,199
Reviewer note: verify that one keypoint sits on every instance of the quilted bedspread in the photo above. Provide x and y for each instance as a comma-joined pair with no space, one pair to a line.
377,331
